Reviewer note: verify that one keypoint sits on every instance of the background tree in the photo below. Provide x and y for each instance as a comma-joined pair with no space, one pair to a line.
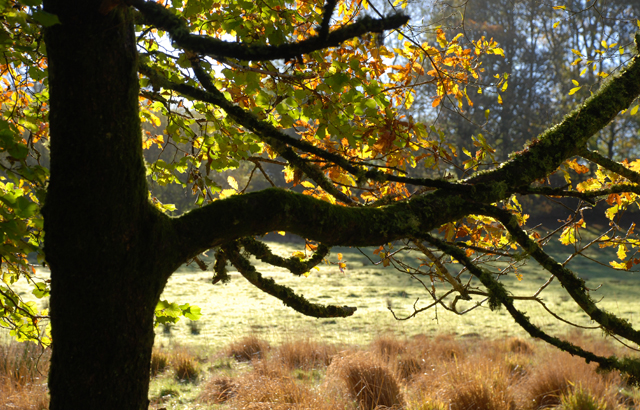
111,249
533,83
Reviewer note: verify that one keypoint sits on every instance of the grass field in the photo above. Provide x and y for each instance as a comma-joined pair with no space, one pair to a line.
239,308
432,359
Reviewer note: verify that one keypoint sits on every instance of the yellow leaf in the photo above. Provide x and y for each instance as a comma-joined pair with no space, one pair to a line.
575,82
504,86
584,70
225,193
499,99
283,233
232,181
559,7
604,44
306,274
634,110
568,236
622,252
576,52
556,24
307,184
339,256
621,50
574,90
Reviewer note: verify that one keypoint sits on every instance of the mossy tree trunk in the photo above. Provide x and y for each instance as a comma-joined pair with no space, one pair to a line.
102,233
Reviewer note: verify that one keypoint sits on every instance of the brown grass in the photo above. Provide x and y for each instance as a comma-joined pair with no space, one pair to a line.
23,381
305,354
248,348
218,390
368,380
270,386
558,373
185,364
160,360
419,373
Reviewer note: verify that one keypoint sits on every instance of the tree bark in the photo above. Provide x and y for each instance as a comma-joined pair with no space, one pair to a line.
102,233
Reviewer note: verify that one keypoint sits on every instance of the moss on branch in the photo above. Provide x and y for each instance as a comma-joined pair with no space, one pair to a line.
296,266
568,138
285,294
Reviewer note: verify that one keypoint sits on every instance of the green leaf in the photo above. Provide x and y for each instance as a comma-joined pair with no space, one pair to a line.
191,312
45,18
40,290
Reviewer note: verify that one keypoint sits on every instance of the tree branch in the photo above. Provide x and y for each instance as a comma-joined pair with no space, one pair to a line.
296,266
279,210
162,18
499,296
614,166
285,294
575,286
569,137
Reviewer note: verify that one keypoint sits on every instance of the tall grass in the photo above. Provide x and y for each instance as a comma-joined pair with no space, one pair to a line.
417,373
23,370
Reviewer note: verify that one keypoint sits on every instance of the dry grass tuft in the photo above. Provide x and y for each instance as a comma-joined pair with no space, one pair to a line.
248,349
368,380
23,381
185,365
520,346
256,390
558,374
219,390
159,361
305,354
388,346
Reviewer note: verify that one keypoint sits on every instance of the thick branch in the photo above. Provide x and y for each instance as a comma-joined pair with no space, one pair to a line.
285,294
162,18
280,210
568,138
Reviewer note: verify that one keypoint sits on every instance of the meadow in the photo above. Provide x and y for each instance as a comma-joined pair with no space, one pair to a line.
250,351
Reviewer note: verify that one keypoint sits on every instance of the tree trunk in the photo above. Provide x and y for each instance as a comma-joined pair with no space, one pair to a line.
101,230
